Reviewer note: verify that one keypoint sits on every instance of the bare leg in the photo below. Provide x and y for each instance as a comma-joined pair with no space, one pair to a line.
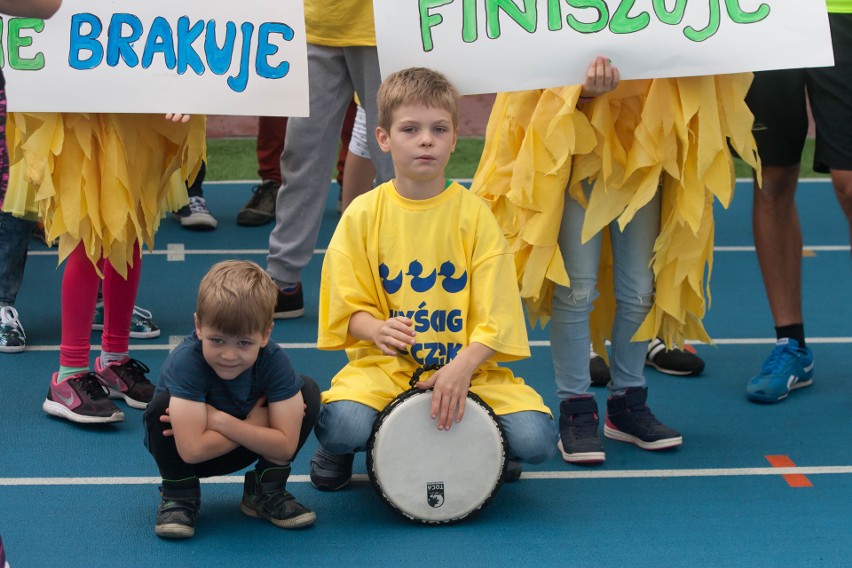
778,240
358,176
843,189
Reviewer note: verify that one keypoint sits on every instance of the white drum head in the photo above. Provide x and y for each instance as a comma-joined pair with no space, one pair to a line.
432,475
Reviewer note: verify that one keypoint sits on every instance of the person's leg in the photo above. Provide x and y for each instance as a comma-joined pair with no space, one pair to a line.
343,428
196,216
530,436
124,377
345,139
75,393
359,173
363,64
306,167
570,340
842,180
14,243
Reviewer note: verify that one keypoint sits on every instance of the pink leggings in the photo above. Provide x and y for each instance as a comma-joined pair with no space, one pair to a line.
79,297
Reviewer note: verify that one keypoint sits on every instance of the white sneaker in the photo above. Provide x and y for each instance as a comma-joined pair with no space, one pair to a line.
196,216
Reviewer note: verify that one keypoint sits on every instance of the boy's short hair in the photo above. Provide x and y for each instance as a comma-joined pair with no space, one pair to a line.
236,297
416,85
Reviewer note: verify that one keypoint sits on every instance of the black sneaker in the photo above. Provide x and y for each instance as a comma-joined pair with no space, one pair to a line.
681,362
290,303
512,471
260,208
598,370
579,441
126,379
178,512
331,472
628,419
264,497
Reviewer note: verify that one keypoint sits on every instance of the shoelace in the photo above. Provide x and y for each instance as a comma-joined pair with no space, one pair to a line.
141,312
198,205
134,371
9,318
92,387
777,360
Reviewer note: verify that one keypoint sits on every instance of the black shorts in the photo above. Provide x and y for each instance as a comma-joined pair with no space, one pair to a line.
777,99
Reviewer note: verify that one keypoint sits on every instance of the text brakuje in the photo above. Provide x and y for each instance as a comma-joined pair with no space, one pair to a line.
582,16
125,42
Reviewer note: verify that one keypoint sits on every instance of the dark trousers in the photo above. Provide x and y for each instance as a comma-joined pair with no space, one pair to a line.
171,465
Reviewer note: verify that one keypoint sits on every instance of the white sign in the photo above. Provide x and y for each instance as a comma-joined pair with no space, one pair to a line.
487,46
157,56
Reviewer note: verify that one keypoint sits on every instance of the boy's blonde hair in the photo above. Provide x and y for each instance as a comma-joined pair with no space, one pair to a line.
416,85
236,297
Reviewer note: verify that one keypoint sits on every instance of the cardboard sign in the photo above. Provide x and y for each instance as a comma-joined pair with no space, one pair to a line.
158,56
486,46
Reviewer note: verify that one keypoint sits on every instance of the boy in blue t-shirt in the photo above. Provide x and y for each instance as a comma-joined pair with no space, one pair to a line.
227,398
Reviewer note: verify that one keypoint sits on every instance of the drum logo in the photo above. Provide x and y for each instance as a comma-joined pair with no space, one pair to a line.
435,494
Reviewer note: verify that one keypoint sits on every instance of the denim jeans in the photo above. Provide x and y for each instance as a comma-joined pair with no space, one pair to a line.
634,293
344,427
14,243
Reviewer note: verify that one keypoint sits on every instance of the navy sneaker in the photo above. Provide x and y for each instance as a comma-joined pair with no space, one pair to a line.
178,512
265,497
628,419
290,303
788,367
331,472
579,441
681,362
512,471
196,216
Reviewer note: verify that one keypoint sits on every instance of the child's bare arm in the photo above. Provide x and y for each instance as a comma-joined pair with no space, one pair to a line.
30,8
391,336
601,77
276,440
452,382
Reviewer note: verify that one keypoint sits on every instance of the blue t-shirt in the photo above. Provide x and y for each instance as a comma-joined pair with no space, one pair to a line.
185,374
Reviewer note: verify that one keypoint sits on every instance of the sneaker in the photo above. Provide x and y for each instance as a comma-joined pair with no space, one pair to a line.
260,208
81,399
788,367
512,471
579,441
331,472
127,380
178,512
264,497
142,325
598,370
196,216
628,419
290,304
12,336
682,362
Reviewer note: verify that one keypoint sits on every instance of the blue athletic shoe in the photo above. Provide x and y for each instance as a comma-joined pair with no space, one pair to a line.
787,368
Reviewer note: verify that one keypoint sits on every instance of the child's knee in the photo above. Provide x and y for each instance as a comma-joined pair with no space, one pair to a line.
580,296
530,436
344,427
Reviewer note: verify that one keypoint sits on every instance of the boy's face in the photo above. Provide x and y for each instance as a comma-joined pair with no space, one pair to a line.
230,355
420,141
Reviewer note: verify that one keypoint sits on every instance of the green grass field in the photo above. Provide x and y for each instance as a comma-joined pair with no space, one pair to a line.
234,158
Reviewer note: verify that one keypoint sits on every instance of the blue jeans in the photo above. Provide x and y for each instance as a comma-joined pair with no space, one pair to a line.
14,243
344,427
634,293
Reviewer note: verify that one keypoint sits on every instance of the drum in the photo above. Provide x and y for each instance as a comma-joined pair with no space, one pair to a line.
430,475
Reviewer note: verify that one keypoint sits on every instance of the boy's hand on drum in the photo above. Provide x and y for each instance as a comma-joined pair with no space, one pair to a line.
394,336
449,393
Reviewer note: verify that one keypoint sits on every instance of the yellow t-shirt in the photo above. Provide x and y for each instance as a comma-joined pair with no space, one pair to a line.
444,263
340,23
839,6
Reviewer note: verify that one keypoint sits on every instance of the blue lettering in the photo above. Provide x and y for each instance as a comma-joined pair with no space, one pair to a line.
239,81
186,54
453,350
266,49
219,59
455,321
85,42
159,41
120,46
